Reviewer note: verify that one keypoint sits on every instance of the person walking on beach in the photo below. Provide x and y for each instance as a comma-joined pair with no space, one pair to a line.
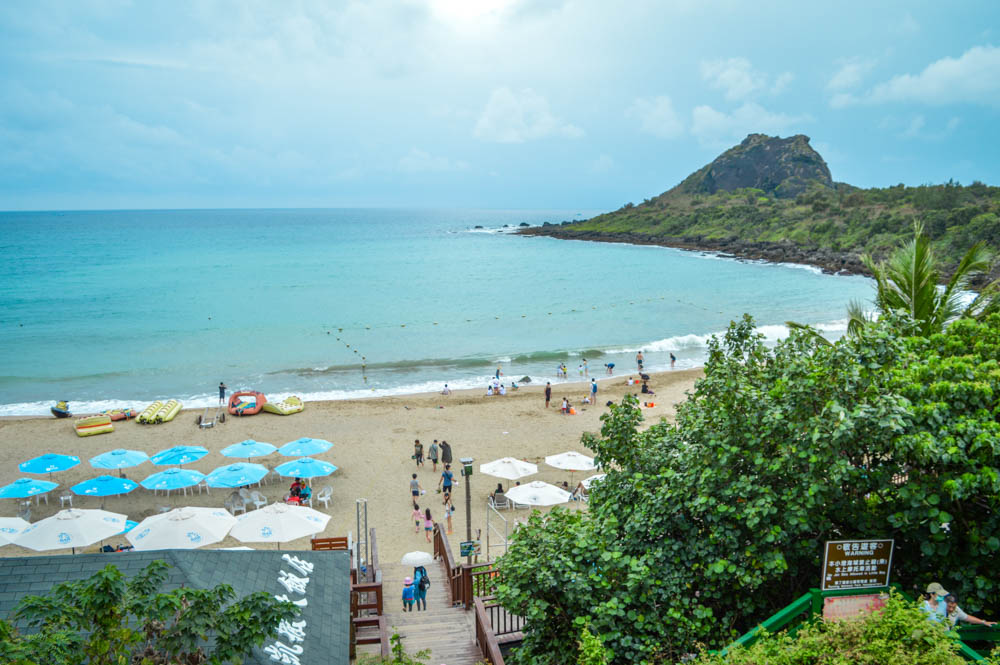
548,393
432,455
638,360
418,452
445,452
428,524
222,392
444,483
418,517
415,488
593,391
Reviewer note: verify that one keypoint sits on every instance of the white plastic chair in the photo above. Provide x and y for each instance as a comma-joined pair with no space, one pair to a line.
236,505
324,496
245,494
203,485
64,498
258,499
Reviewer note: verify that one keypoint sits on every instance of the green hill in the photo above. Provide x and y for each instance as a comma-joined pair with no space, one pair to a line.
773,199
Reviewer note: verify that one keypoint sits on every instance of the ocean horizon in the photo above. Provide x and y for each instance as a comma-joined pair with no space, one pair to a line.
118,308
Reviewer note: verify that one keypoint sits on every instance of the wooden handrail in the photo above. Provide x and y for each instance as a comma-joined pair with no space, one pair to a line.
485,638
366,588
442,550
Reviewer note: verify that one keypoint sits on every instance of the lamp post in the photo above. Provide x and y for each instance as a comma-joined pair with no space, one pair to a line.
467,473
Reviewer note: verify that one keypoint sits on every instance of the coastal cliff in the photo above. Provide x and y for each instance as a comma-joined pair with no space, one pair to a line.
774,199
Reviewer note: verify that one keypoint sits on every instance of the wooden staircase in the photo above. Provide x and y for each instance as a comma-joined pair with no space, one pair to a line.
447,631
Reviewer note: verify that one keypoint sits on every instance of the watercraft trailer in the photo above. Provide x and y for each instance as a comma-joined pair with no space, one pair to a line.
210,415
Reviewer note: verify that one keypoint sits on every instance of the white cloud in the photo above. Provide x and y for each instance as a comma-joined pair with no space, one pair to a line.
418,161
602,164
736,77
656,116
906,25
913,129
850,74
782,82
715,128
972,78
516,117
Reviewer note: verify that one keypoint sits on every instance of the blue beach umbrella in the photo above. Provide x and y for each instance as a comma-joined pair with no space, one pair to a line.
118,459
22,488
247,449
49,463
306,467
104,486
129,525
236,475
178,455
173,479
305,446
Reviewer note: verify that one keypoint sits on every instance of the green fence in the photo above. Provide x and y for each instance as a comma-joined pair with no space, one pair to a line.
810,605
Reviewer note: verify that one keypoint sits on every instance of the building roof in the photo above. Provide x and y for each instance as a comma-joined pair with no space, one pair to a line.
327,592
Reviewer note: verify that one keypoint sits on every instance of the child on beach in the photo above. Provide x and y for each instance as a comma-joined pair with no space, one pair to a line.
449,510
428,524
408,594
418,452
418,517
414,488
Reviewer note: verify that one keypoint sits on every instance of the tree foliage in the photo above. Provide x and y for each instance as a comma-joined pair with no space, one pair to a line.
110,620
908,279
703,528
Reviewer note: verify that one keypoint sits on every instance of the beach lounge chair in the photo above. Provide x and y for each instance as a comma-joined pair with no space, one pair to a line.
324,496
500,502
258,499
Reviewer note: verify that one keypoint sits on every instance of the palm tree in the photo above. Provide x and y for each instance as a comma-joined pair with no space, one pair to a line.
908,281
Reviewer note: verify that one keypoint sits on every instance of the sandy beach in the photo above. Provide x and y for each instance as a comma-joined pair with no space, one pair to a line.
373,444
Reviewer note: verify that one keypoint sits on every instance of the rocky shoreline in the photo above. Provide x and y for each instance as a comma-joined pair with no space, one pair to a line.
840,263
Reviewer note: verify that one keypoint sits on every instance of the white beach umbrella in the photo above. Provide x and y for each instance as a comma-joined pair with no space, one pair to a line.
279,523
71,528
508,468
587,482
538,493
417,559
10,527
571,461
182,529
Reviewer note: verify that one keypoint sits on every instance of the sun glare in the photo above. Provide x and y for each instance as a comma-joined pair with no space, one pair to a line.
467,11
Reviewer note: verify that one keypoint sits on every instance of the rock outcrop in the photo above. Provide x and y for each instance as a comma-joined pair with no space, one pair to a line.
780,167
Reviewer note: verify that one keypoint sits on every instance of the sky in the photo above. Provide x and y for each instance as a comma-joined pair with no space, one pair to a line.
543,104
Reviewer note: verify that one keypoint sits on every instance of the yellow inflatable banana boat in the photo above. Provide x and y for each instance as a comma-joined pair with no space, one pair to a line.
159,412
94,425
147,414
286,407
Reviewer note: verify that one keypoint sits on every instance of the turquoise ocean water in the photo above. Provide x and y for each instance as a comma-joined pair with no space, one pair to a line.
118,308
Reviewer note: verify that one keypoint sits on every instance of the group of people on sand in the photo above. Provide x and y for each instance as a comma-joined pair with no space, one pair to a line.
446,481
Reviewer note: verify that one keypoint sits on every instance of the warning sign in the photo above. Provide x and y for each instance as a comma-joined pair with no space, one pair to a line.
856,564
